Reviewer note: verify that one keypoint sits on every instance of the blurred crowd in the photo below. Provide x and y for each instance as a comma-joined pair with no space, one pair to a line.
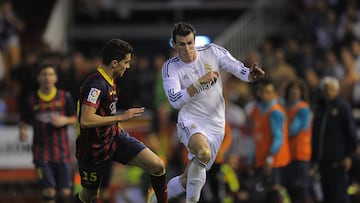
321,39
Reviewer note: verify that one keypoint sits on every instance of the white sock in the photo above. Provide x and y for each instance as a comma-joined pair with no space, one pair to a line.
175,188
195,181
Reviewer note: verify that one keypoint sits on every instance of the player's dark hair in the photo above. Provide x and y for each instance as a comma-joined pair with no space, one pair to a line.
115,49
303,89
43,66
182,29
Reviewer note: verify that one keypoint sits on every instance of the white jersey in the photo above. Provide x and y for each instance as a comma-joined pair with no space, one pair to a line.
207,106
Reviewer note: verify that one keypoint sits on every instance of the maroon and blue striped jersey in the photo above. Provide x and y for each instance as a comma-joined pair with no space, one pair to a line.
50,143
97,144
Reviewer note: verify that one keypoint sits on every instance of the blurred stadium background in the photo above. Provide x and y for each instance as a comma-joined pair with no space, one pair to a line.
74,31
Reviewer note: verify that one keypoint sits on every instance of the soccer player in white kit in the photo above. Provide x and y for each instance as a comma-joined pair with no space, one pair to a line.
193,85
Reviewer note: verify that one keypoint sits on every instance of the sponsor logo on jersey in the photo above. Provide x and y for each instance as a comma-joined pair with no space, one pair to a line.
48,105
112,108
93,95
45,117
204,87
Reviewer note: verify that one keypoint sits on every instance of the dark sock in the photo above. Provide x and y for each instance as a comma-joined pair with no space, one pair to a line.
77,199
63,199
160,188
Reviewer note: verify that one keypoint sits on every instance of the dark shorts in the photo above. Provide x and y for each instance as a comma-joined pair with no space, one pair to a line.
298,174
96,176
54,175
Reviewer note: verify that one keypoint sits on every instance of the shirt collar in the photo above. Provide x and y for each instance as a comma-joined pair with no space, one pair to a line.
105,75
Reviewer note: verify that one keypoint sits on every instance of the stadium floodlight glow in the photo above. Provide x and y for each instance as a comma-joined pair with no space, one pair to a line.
200,40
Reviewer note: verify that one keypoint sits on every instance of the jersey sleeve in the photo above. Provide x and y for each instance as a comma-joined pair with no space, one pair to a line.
300,122
230,64
171,83
92,93
276,123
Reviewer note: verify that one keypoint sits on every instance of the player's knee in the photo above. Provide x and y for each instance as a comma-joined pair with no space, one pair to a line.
203,155
158,167
49,194
65,193
89,195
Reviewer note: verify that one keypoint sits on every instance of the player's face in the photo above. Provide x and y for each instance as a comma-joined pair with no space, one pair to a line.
267,93
121,66
294,93
47,78
185,47
330,91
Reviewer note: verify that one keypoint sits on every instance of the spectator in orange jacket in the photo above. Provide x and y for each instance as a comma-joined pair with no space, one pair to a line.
299,116
271,149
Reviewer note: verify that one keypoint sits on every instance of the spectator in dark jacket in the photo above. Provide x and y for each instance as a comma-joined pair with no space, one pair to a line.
334,141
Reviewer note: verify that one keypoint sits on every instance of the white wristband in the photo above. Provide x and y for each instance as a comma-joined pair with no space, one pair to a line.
197,85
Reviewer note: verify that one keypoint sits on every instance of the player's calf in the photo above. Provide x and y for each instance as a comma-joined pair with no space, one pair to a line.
196,178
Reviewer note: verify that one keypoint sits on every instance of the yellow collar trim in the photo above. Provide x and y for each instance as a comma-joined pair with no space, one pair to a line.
105,75
47,97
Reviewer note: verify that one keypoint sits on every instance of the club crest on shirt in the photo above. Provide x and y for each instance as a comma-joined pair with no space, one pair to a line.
93,95
193,126
208,67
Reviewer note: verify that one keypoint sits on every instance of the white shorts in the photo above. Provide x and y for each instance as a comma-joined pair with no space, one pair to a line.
185,129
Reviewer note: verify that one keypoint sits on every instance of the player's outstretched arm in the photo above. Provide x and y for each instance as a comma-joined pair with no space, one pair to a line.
132,113
89,118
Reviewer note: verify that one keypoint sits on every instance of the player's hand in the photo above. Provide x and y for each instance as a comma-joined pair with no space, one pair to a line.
209,77
256,73
133,112
347,163
58,120
23,136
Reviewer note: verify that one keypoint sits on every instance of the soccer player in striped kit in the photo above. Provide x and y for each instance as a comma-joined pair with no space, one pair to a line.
193,85
50,111
101,139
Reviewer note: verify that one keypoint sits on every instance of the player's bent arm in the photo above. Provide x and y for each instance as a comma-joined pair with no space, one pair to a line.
177,97
60,121
71,120
90,119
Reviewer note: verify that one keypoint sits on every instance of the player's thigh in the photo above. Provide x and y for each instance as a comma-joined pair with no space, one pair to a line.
204,147
149,161
192,135
128,149
198,142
